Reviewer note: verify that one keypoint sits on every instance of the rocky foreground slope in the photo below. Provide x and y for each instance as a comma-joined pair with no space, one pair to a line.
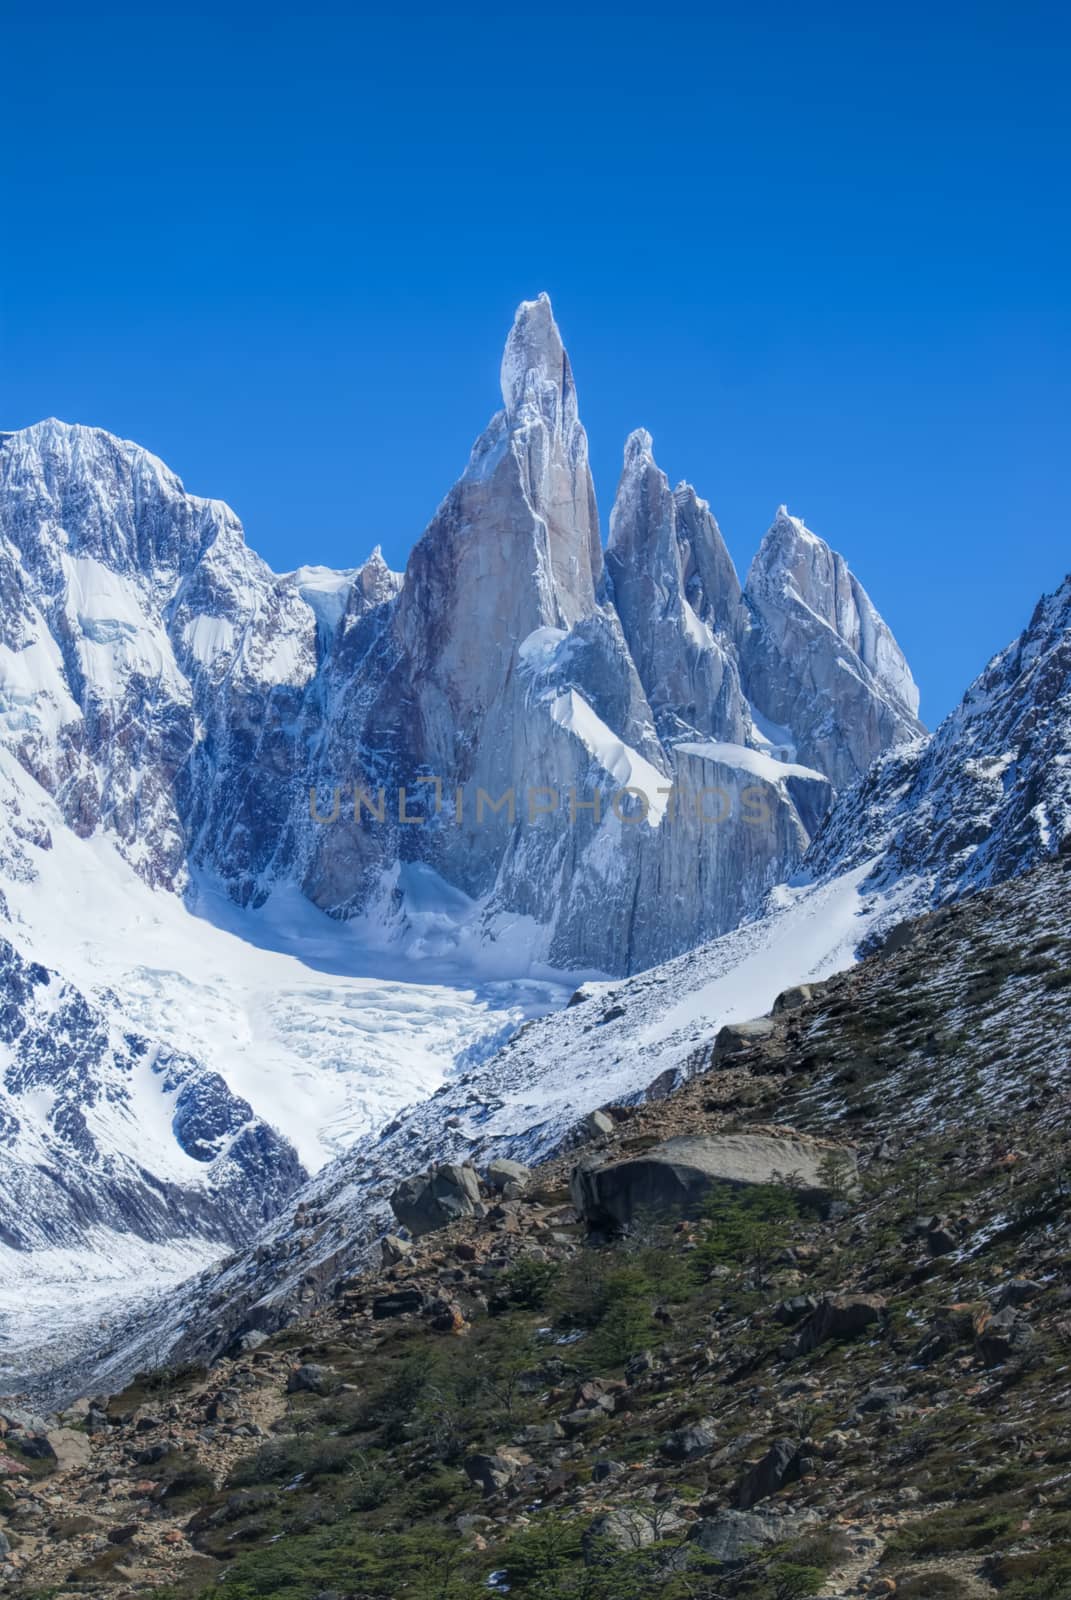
849,1378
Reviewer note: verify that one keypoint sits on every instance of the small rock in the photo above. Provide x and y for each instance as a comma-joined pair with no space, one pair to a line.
403,1303
394,1250
492,1473
597,1125
311,1378
689,1443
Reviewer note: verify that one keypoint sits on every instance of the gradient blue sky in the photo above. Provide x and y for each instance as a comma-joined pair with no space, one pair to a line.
820,251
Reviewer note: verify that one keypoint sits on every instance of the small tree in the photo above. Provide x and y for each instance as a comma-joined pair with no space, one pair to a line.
746,1227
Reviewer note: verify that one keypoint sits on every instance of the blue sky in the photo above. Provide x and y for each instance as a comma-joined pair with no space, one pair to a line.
820,251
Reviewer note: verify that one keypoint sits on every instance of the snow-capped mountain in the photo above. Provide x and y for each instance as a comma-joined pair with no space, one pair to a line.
986,798
161,683
516,765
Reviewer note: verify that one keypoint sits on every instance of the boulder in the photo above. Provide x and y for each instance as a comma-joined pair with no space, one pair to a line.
393,1250
729,1537
597,1125
1003,1336
492,1473
431,1200
502,1172
780,1465
689,1443
838,1316
402,1303
736,1037
70,1447
1018,1292
941,1241
311,1378
247,1342
676,1177
890,1399
794,1309
792,999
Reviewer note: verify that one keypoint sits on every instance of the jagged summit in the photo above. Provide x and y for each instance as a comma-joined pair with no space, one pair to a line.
535,367
807,614
794,563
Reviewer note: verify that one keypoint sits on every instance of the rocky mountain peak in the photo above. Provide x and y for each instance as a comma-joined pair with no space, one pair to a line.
819,657
794,565
536,376
78,491
710,579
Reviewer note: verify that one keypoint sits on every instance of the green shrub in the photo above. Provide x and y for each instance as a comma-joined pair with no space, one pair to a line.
746,1227
950,1531
931,1586
528,1283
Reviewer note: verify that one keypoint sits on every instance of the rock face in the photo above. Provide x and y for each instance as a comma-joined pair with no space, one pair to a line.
678,1175
679,635
818,657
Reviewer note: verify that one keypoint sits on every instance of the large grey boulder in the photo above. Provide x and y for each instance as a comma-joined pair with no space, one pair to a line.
677,1176
434,1199
501,1172
780,1465
838,1316
736,1037
628,1527
730,1537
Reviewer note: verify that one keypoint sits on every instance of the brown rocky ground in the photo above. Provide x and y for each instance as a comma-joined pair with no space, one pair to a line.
775,1399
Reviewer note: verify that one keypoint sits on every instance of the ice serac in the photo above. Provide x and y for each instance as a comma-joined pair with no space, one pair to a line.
817,659
675,590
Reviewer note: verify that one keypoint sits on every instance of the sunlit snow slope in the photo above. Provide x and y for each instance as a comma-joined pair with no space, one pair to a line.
170,1071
